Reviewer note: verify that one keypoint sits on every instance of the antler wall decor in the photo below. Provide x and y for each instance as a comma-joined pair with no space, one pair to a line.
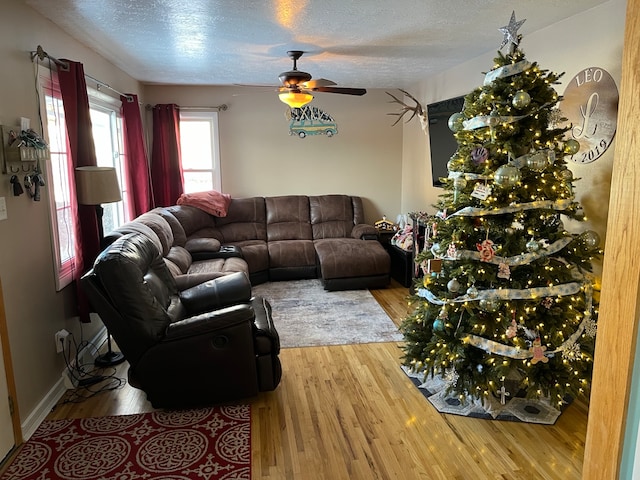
417,109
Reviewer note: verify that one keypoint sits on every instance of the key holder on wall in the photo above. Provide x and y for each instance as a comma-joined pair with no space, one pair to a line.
21,151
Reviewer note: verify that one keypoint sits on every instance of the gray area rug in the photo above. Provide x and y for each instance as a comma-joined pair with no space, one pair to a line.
305,315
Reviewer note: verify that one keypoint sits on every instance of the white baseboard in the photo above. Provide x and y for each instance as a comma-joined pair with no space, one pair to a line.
38,414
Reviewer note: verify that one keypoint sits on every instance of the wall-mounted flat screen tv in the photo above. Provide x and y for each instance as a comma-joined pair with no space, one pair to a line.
441,140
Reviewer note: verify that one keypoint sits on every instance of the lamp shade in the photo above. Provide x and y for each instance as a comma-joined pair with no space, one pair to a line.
295,99
97,185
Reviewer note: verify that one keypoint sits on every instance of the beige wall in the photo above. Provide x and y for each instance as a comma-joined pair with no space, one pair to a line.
591,39
34,310
259,157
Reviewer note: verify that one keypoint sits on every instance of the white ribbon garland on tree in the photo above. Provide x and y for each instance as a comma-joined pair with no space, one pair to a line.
560,290
482,121
493,347
521,259
506,71
560,205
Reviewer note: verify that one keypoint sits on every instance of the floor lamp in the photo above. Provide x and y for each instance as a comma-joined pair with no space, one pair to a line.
95,186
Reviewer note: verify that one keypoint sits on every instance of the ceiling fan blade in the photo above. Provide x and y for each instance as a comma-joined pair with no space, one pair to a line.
318,82
342,90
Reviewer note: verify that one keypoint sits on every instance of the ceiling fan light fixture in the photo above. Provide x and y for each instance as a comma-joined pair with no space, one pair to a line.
295,99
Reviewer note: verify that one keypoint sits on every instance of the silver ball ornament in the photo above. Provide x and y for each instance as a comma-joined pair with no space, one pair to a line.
455,122
571,146
590,239
506,176
566,175
453,286
459,183
521,99
472,292
489,304
537,161
532,246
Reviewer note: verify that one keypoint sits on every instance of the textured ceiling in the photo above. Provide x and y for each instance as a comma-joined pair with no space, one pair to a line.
357,43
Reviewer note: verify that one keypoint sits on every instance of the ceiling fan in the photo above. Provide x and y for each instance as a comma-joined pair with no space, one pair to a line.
297,86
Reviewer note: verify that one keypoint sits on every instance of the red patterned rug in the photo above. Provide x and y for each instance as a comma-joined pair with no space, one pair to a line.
210,444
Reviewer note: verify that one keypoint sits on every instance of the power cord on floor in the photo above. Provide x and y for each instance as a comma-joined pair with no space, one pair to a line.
90,380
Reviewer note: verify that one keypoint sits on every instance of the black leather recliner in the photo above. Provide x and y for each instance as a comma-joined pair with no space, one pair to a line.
211,343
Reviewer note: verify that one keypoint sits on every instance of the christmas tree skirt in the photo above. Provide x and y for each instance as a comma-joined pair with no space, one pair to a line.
516,409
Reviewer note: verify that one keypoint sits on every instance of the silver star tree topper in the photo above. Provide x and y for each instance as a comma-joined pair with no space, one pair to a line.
511,31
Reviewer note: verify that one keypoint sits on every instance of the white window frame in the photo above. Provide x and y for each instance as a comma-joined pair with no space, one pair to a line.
65,271
212,117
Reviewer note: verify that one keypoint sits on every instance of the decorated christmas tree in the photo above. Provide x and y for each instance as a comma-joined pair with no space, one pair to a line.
506,305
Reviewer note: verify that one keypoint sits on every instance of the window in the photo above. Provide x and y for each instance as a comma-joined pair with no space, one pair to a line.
58,173
106,122
200,151
107,133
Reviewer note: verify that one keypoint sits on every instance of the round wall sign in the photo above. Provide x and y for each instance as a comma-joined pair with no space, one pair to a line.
590,103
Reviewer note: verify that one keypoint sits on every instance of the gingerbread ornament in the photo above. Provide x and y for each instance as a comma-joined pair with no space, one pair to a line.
538,352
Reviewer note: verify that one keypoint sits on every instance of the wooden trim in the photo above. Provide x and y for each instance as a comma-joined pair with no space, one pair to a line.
8,366
620,296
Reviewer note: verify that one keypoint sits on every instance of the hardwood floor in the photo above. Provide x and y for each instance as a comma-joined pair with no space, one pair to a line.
349,412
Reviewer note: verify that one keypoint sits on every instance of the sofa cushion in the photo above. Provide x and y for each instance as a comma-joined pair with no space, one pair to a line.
331,216
291,253
246,220
219,265
348,257
134,227
192,219
173,268
180,257
255,253
161,228
179,235
288,218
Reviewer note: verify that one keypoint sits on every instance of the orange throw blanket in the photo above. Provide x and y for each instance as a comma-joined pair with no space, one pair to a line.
212,202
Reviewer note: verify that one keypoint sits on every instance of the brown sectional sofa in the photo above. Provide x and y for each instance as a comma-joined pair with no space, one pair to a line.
270,238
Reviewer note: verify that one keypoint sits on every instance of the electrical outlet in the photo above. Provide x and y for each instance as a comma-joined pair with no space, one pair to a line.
62,337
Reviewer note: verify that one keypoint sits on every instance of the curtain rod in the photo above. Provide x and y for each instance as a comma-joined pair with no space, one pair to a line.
220,108
41,54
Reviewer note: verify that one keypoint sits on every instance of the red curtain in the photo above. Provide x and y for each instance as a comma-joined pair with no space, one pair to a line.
76,110
166,168
137,168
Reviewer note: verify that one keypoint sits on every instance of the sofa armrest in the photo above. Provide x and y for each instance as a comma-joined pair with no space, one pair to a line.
202,244
364,231
218,293
209,323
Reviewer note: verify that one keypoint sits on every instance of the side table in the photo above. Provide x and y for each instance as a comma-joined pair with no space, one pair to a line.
401,265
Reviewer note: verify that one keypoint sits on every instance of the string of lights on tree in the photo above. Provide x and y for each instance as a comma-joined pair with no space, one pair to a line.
507,296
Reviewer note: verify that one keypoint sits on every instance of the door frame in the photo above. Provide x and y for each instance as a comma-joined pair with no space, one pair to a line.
620,295
8,367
